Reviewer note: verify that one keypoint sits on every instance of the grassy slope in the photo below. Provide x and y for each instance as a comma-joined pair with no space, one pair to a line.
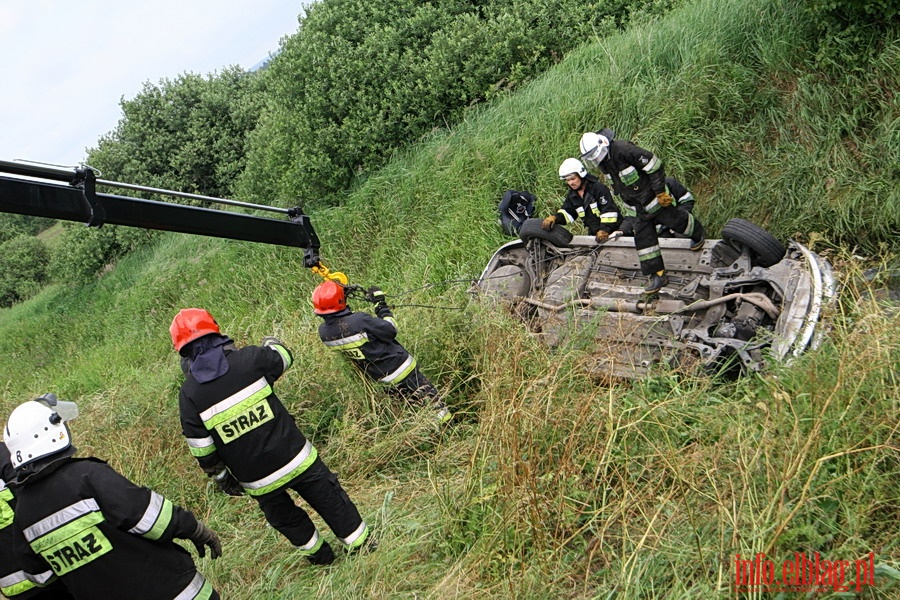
551,486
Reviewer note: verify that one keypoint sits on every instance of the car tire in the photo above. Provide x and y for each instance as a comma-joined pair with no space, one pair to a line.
765,250
558,236
508,281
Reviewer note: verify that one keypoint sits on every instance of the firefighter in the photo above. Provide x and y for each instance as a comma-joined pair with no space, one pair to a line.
681,198
371,345
245,439
588,199
102,535
638,178
14,582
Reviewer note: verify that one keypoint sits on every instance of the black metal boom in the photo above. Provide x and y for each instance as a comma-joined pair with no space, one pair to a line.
70,194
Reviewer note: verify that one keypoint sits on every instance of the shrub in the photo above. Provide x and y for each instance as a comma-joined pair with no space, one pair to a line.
84,252
23,268
859,12
12,225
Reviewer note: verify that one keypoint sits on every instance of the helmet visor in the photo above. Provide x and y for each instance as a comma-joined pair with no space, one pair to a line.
593,156
67,410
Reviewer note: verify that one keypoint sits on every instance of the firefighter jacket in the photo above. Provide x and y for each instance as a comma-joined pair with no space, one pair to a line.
104,536
596,207
370,342
14,582
237,421
637,175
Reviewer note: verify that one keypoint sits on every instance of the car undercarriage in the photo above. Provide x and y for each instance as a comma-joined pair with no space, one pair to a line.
739,302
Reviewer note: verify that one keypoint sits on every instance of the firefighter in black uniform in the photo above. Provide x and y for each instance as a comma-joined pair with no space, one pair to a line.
588,199
245,439
638,179
371,344
681,198
14,582
101,534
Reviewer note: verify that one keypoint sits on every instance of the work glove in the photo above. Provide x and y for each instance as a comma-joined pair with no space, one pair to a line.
615,235
664,199
548,222
271,340
383,311
375,295
204,536
227,483
602,236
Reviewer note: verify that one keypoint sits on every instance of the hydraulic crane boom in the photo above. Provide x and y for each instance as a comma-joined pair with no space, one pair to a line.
70,194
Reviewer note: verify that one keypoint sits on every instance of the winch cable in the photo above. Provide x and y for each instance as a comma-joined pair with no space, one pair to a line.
468,281
429,306
472,280
359,292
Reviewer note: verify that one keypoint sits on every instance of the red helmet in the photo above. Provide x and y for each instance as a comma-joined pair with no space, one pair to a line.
190,324
328,297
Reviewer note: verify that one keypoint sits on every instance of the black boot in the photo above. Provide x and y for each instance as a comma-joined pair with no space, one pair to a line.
657,282
322,556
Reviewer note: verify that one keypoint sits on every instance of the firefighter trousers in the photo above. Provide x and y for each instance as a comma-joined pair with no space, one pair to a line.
320,488
646,239
417,389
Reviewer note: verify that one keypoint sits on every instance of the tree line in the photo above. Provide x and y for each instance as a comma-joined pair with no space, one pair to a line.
357,82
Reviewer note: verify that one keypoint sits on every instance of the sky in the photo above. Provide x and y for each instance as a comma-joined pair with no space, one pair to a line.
65,65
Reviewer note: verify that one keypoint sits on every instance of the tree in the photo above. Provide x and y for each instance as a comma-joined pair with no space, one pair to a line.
187,134
361,79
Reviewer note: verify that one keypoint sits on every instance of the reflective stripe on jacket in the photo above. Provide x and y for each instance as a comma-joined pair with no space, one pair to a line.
596,207
370,343
637,175
104,536
238,420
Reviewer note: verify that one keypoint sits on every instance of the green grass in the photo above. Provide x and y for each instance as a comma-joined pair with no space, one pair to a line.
552,485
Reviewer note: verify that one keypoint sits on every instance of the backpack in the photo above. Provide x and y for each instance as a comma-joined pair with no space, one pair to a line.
514,208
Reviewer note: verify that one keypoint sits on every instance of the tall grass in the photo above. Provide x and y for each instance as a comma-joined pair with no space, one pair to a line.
551,485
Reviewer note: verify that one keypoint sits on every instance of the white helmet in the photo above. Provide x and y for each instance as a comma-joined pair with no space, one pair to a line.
594,148
37,429
572,166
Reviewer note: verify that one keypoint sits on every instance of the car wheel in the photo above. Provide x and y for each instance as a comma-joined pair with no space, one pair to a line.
558,236
765,250
508,281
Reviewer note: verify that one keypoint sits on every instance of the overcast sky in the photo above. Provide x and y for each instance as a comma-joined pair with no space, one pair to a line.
65,65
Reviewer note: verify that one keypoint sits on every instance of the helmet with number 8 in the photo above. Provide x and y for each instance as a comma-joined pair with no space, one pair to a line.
37,430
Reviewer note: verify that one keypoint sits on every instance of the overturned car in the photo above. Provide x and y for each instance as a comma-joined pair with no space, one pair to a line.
740,301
